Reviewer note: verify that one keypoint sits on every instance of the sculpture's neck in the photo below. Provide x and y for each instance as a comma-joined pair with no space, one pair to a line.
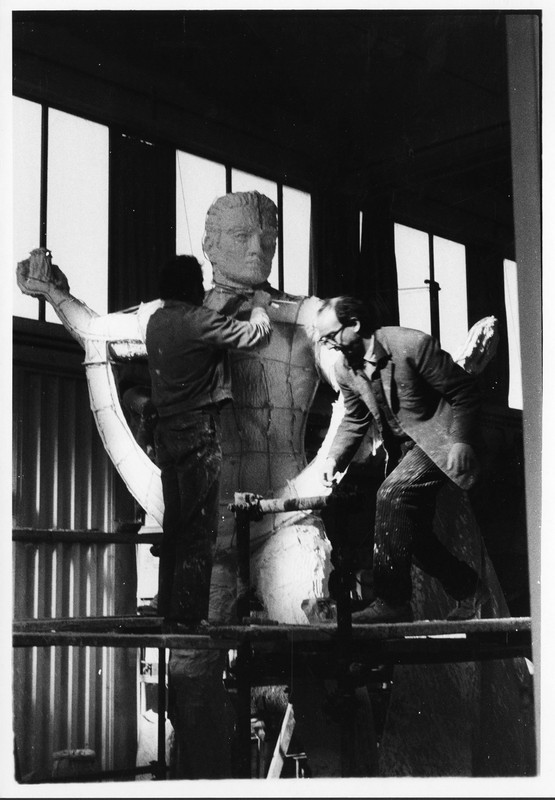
234,289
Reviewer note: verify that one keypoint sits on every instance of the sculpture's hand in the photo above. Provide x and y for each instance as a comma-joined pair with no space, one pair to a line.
38,276
480,346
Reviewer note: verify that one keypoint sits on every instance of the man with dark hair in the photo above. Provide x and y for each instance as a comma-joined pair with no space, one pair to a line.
182,279
186,345
426,410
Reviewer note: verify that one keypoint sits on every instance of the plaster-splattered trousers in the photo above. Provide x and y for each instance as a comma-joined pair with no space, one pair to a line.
405,508
189,455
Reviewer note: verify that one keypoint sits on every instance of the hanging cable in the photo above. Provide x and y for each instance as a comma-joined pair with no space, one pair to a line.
184,203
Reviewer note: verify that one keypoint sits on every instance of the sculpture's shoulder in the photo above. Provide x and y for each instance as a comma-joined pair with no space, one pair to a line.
297,309
144,313
285,310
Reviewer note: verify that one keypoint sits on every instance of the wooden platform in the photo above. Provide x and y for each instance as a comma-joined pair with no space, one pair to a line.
423,641
361,655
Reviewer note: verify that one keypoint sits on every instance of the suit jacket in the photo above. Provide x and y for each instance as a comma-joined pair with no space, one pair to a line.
434,401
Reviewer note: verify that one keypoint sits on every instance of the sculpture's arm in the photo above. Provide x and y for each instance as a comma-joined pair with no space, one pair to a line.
37,276
120,333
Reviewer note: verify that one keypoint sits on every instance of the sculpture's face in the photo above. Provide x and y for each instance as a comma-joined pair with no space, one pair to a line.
243,251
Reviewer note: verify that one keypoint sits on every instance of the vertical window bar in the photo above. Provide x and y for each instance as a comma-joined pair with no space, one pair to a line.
228,187
43,192
434,292
281,276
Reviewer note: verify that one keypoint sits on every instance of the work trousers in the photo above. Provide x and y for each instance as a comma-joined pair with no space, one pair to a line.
405,508
189,455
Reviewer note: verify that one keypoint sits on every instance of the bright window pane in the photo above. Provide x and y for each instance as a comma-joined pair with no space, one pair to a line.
513,331
245,182
450,274
413,269
296,240
199,183
26,195
77,223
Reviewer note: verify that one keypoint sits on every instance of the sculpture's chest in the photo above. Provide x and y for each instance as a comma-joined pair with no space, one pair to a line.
281,372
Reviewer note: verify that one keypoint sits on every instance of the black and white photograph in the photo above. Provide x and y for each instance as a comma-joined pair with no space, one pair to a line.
275,400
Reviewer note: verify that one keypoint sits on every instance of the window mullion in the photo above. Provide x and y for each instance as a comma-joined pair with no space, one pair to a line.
43,193
434,292
281,273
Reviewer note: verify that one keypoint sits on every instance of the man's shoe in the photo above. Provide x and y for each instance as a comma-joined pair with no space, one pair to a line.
469,607
380,611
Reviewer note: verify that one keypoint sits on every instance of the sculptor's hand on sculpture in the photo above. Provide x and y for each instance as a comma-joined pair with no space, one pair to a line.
261,299
329,472
38,277
259,315
462,461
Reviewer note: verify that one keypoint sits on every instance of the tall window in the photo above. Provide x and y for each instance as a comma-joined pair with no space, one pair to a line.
513,333
431,275
26,195
199,183
296,240
413,269
71,153
77,218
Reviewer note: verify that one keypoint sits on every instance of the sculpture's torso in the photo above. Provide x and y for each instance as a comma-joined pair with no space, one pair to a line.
263,450
273,388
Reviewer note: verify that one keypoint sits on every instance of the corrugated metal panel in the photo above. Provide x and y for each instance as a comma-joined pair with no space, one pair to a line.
63,697
63,474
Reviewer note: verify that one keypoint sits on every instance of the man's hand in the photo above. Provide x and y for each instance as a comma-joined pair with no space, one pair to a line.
259,316
329,471
37,275
462,462
261,299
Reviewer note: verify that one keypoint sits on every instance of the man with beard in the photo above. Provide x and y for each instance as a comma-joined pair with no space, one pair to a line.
426,409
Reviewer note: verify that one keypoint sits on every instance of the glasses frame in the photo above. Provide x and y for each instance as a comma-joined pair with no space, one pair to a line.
330,337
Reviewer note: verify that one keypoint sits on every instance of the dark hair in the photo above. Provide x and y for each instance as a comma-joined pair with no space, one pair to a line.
181,279
350,309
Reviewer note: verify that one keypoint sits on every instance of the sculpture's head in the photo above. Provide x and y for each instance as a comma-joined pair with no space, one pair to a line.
240,238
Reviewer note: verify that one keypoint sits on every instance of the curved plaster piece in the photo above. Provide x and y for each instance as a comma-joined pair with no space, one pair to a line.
139,473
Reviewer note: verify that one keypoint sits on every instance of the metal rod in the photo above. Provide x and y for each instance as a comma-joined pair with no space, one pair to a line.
257,505
56,536
274,506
